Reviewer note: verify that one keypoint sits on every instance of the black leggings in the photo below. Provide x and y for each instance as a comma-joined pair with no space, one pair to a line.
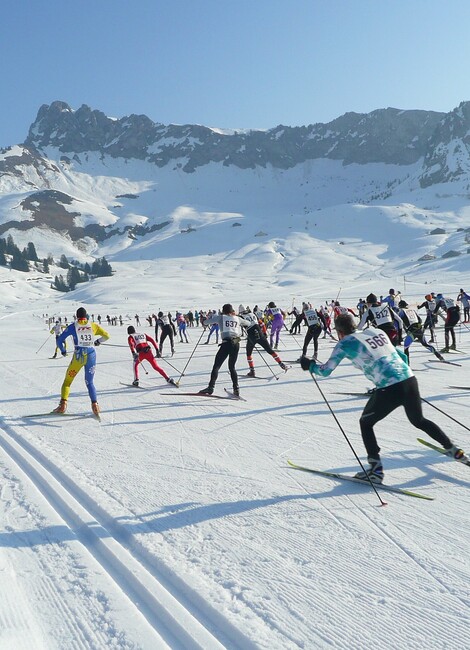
228,348
312,333
167,330
386,400
257,339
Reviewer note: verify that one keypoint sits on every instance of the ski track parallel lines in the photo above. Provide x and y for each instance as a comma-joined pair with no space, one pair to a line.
105,540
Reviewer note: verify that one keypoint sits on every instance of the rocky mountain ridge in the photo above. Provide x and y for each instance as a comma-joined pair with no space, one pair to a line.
48,183
387,135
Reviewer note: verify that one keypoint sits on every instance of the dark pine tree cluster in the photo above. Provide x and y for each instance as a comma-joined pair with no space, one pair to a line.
10,255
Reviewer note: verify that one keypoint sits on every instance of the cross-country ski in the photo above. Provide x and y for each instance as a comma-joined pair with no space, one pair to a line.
366,483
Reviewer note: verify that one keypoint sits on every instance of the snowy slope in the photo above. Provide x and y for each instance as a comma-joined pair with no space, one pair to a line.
176,522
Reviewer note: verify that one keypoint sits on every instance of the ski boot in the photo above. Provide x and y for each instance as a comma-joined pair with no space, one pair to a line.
375,473
444,350
62,407
206,391
236,391
453,347
251,373
456,453
172,382
135,382
283,366
96,409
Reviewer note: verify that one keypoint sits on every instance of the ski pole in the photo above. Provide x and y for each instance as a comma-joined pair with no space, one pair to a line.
190,357
43,343
267,364
444,413
170,364
382,503
143,368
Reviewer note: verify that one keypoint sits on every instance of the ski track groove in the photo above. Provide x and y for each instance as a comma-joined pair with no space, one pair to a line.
170,606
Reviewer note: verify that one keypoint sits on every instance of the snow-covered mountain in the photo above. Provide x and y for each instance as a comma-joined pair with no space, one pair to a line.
385,194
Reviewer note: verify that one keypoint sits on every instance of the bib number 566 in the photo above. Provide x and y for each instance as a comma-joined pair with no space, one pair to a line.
377,341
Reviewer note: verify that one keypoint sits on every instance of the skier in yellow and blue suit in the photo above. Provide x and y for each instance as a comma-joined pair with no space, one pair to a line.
84,335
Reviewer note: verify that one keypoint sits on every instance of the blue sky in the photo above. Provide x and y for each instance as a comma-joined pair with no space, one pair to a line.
231,63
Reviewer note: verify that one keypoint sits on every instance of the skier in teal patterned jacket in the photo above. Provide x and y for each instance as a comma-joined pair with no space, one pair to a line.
371,351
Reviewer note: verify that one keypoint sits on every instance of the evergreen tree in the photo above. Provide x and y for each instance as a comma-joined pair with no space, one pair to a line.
45,264
11,245
31,252
60,284
64,263
101,268
73,277
3,259
18,261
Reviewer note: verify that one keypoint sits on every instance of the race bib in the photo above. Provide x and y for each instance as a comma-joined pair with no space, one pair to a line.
231,326
84,336
312,317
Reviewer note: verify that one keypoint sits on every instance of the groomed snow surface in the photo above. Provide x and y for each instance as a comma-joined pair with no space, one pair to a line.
177,523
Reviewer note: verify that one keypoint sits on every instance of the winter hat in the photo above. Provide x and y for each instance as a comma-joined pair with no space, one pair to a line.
131,329
371,299
81,313
402,304
271,304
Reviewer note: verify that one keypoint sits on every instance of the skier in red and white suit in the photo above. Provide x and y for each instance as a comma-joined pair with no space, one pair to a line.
141,351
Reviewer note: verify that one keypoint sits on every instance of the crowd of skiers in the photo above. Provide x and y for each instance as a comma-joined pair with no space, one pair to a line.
368,336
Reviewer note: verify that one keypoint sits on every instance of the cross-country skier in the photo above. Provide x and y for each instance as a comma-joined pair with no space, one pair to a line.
314,320
464,298
431,317
380,316
372,352
230,331
57,329
164,323
276,315
452,312
413,327
255,336
86,335
181,322
139,343
392,301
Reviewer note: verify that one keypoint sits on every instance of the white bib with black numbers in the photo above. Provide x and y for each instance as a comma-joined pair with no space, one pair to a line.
139,338
380,314
84,336
251,318
230,327
412,316
312,317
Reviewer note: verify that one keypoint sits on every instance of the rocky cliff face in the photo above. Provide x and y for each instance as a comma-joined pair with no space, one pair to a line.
386,135
447,157
45,191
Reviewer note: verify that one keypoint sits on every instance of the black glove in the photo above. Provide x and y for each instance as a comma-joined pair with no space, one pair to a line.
97,342
305,362
135,355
